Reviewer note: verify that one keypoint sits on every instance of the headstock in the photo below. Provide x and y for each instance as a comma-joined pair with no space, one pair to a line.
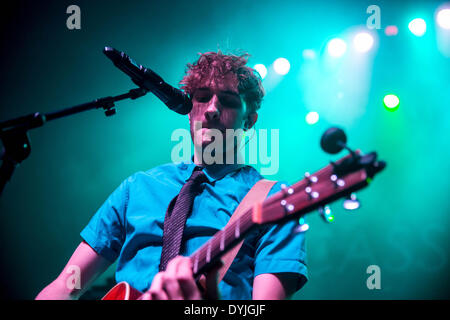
337,180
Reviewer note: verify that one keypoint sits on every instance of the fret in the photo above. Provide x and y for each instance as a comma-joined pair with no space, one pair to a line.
208,252
196,264
215,246
237,229
222,240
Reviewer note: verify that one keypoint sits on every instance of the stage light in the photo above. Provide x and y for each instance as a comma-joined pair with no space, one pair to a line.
336,47
309,54
443,18
325,214
302,226
262,70
391,102
281,66
351,203
418,27
312,117
363,42
391,31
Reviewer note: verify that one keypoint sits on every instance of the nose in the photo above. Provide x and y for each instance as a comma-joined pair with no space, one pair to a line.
212,112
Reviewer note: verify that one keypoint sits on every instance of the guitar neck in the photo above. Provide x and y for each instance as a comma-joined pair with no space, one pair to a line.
220,243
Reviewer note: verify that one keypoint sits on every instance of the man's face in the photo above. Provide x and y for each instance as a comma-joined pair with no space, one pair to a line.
216,105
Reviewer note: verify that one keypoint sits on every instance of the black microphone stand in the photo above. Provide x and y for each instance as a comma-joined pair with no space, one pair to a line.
14,132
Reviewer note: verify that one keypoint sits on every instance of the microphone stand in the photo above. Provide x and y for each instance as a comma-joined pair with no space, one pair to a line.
14,132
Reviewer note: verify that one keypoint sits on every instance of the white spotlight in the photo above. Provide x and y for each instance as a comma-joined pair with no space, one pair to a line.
363,42
312,117
262,70
443,18
418,27
336,47
281,66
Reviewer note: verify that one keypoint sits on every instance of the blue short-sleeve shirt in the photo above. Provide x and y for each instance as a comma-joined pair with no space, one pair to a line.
130,223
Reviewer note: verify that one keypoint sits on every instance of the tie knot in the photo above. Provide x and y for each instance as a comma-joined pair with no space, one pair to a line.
197,176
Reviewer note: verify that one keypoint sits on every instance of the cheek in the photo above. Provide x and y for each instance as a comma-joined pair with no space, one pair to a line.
196,112
231,119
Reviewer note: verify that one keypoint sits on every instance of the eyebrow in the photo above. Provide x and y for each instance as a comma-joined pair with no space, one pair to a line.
223,91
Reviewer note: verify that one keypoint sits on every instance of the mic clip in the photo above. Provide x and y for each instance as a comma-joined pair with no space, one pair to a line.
108,103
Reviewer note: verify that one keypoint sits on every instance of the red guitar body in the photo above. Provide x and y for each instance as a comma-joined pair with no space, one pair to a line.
123,291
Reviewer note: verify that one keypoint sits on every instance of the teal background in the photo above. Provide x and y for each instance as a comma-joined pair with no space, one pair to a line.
76,162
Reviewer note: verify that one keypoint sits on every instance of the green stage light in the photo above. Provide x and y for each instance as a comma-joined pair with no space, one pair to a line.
391,102
327,214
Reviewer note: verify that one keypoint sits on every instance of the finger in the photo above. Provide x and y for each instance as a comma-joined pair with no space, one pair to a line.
157,290
173,265
181,269
146,296
186,280
202,282
171,280
211,282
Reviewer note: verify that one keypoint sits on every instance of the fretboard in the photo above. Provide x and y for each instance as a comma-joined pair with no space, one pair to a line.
220,243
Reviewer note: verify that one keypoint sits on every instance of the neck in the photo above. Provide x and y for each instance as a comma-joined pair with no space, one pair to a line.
218,160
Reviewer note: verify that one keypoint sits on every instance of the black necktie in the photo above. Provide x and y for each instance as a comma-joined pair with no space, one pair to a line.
176,215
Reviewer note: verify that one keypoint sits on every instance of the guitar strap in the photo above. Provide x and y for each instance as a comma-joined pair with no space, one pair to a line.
256,194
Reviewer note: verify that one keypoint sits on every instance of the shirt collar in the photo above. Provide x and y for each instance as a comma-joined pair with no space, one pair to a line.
214,172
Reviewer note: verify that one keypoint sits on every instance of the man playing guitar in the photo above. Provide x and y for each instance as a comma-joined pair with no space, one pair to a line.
129,226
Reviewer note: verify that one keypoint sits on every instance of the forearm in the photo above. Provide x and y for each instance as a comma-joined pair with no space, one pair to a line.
270,286
57,290
83,268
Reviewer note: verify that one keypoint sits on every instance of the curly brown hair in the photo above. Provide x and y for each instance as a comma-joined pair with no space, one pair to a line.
217,65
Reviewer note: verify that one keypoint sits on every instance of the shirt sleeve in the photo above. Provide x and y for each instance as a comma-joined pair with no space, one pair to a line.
105,232
279,249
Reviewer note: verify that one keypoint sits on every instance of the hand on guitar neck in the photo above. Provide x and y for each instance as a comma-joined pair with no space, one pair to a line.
178,283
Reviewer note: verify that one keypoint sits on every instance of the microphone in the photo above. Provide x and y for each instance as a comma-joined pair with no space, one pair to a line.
145,78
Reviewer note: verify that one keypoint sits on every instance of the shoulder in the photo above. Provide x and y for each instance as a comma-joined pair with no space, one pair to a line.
167,171
247,175
250,176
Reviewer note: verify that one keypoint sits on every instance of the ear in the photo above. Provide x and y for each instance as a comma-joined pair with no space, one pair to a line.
251,120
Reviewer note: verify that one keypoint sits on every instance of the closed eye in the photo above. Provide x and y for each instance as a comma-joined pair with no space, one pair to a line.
227,98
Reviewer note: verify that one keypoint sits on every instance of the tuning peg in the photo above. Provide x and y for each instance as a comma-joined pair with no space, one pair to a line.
325,214
311,194
351,202
287,190
336,181
302,226
288,207
311,179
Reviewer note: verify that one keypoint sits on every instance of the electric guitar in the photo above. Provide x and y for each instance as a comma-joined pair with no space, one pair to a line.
337,180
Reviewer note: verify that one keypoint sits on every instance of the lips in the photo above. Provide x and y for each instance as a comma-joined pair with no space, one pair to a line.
213,126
